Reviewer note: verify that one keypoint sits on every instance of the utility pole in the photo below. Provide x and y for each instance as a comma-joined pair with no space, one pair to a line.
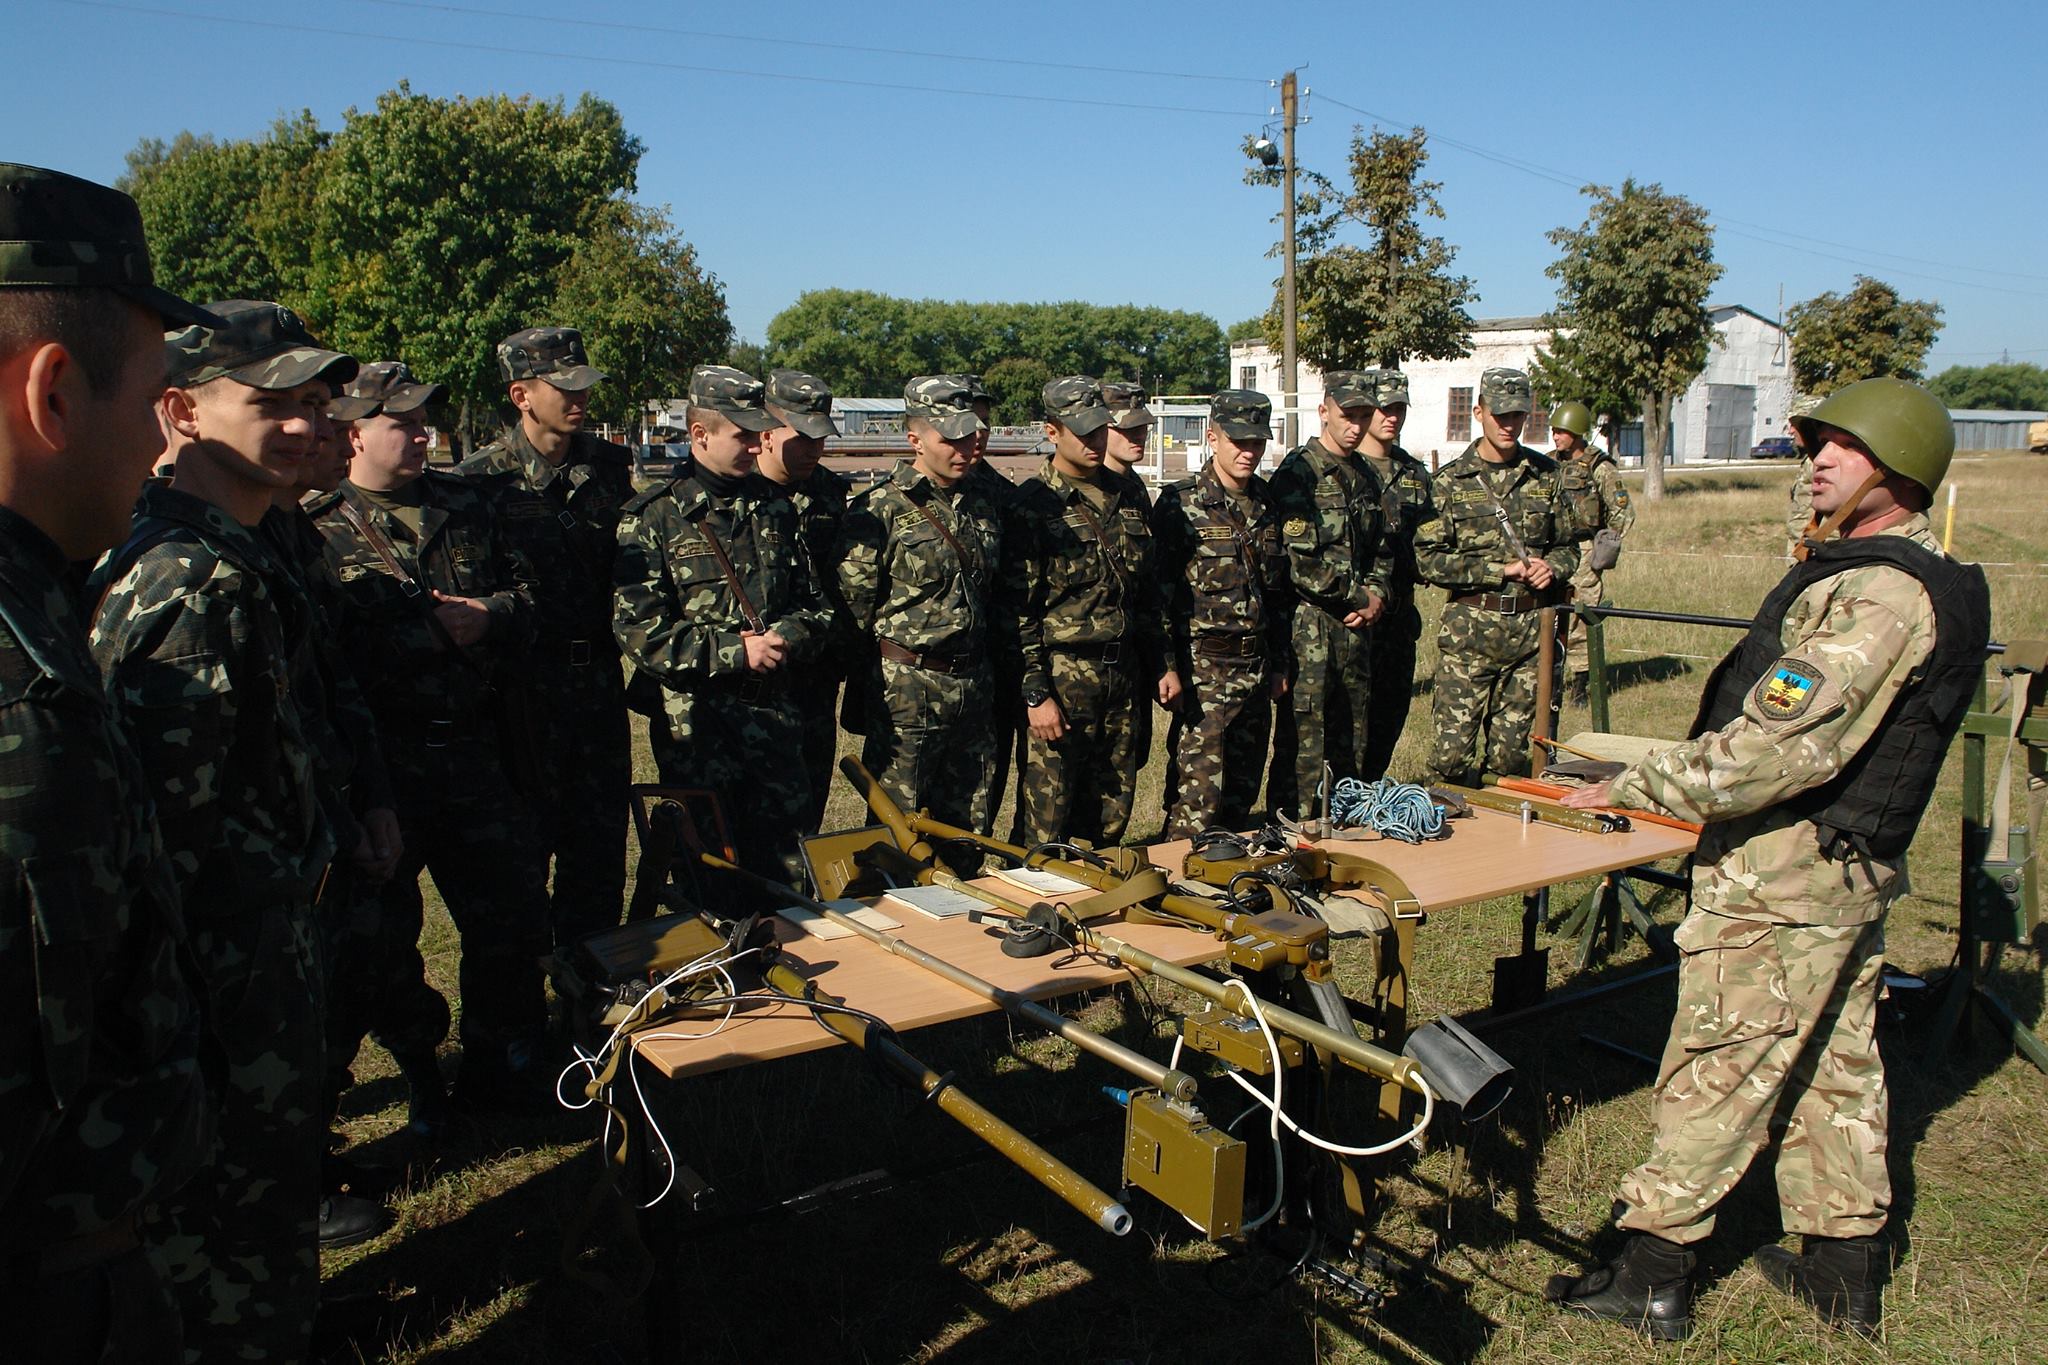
1290,382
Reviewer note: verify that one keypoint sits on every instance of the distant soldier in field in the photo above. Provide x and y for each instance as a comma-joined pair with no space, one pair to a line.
196,633
1817,746
1571,426
1799,508
105,1108
1091,629
789,462
439,616
1404,484
713,601
1228,618
1007,734
1333,523
915,571
559,490
1504,543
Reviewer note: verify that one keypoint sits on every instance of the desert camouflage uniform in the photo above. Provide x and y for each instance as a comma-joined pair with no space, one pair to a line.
721,725
1090,623
1799,504
1007,735
197,649
1485,700
461,818
1228,619
820,505
902,582
1615,513
1332,515
1405,483
1781,953
103,1109
564,519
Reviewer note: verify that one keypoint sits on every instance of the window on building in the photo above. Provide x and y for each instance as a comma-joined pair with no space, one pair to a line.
1247,376
1536,430
1459,428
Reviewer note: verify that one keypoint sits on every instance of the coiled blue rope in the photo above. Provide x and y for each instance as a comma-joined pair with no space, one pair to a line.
1398,810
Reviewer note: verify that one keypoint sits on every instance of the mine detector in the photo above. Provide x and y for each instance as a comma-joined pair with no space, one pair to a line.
1230,1155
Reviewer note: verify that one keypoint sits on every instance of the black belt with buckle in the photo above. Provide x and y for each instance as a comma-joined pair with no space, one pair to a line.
581,653
1109,651
1248,646
952,665
1506,603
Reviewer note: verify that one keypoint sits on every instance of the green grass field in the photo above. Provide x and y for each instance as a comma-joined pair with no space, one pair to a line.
973,1262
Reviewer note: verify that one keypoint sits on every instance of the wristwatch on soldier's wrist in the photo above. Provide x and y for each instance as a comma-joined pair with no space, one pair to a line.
1037,696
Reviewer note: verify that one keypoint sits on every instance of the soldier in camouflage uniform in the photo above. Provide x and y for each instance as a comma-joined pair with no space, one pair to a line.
789,464
103,1109
196,635
1007,735
1495,503
713,601
915,573
1091,628
560,491
1228,616
1799,504
1571,423
1333,522
1123,448
437,609
1816,750
1404,484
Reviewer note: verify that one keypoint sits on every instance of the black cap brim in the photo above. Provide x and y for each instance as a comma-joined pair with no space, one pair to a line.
817,425
576,378
175,312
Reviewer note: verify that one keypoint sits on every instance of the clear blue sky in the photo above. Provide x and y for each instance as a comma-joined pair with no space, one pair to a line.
1902,141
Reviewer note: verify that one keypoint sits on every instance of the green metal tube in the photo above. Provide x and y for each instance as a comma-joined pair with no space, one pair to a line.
1048,1170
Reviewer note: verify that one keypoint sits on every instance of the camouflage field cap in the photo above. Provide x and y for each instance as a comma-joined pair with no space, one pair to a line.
345,407
551,353
254,342
944,400
1126,405
1348,388
1506,392
391,386
801,401
977,391
60,232
1075,402
1388,388
1243,414
733,394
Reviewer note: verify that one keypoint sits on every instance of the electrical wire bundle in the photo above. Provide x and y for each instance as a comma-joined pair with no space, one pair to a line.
1397,810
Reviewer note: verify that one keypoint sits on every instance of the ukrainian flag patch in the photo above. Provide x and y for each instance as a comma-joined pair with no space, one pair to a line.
1787,689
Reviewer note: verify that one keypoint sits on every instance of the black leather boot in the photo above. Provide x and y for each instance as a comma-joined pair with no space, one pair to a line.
1647,1287
346,1220
1840,1278
427,1109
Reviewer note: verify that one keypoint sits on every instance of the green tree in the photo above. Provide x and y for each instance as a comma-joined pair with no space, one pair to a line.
2008,386
648,312
1393,296
1018,387
748,356
1868,333
1249,329
1631,319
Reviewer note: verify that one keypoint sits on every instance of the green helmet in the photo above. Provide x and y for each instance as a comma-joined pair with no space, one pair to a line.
1905,427
1573,416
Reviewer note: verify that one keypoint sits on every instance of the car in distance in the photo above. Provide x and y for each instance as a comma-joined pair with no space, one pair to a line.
1774,448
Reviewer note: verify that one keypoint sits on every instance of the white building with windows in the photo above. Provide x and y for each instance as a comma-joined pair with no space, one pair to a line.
1740,398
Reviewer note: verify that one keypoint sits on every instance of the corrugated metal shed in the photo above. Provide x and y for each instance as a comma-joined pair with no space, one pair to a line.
1991,428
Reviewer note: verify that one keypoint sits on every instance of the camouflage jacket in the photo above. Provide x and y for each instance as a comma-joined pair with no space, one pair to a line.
345,729
1224,566
1614,511
1333,522
195,639
102,1106
1462,548
1133,486
564,521
820,504
405,672
1863,633
673,609
1084,576
1003,645
899,578
1407,504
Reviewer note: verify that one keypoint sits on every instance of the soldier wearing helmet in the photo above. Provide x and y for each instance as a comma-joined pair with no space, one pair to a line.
1816,749
1571,427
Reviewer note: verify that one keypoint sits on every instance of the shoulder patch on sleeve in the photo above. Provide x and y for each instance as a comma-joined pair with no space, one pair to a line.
1787,689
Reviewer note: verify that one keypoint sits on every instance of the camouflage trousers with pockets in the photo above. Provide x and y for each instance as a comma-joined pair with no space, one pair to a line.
745,742
1326,714
584,814
1394,640
1485,700
934,743
1081,785
1217,744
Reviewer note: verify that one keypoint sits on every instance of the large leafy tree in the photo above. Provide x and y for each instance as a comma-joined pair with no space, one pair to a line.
1631,320
1867,333
1391,296
2008,386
